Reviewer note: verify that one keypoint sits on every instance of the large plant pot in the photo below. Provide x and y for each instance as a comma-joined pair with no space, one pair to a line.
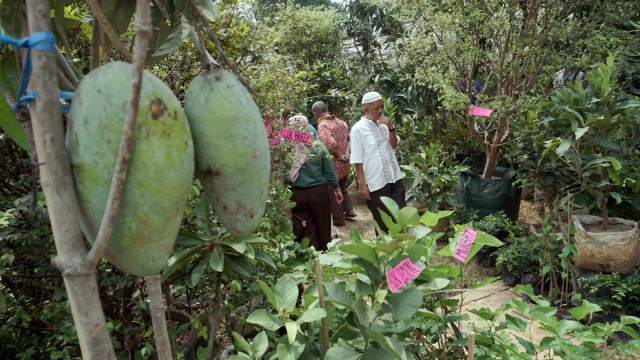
613,251
487,196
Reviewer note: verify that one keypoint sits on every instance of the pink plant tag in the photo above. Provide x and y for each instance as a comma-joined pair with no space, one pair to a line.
464,244
401,274
478,111
296,136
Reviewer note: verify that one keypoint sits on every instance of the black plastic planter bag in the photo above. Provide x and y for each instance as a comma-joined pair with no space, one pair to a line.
487,196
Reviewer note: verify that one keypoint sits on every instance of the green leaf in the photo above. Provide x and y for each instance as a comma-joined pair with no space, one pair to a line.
434,284
363,313
268,293
564,146
178,33
515,323
337,294
430,219
311,315
568,326
286,293
238,264
406,303
242,343
587,308
417,250
364,251
292,331
391,206
394,348
341,352
264,258
180,259
286,351
198,270
580,131
236,245
408,216
265,319
119,13
419,231
10,125
615,163
483,282
216,259
527,345
260,344
354,236
388,221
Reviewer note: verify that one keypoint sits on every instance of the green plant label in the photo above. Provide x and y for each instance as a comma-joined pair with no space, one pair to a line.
464,244
401,274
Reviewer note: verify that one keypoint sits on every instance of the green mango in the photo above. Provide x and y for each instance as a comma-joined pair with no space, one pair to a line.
160,171
231,147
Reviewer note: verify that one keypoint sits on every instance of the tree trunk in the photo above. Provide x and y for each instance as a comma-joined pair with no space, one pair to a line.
62,203
492,160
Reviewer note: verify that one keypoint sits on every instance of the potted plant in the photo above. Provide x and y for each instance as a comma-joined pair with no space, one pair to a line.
593,148
497,58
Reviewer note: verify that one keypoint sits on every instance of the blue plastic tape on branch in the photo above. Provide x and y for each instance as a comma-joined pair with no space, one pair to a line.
44,41
62,95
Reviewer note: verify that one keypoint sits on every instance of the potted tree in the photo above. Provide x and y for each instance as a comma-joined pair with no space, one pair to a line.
496,57
593,147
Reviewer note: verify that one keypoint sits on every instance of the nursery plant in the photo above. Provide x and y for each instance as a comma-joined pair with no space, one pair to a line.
593,143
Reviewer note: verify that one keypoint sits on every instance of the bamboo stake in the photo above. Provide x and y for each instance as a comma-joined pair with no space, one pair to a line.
324,326
62,204
472,342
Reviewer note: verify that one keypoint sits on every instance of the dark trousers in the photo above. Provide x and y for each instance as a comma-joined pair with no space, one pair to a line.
338,209
312,215
375,205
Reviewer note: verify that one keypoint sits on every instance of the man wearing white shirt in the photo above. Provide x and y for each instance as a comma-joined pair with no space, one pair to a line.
373,140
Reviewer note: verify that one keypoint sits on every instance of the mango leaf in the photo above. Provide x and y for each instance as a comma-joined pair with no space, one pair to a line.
238,264
408,216
286,293
10,73
242,343
119,13
417,251
292,331
265,319
564,146
580,131
391,206
178,33
271,297
236,245
377,354
406,303
180,259
260,344
616,195
364,251
419,231
483,282
363,312
261,256
186,238
341,352
207,8
216,259
386,219
198,270
311,315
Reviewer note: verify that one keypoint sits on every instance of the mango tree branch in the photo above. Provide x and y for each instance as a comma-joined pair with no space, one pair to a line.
143,34
62,204
158,308
107,29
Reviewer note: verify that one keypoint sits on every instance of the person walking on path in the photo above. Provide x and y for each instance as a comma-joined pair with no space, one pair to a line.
334,134
373,140
310,172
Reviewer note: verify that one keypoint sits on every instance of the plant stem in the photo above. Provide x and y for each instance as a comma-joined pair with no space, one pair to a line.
158,310
62,204
216,317
143,34
324,325
107,29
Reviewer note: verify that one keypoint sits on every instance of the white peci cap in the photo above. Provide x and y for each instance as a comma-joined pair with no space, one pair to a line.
370,97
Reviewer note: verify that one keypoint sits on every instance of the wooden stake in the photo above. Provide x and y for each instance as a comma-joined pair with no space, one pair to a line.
472,340
324,326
